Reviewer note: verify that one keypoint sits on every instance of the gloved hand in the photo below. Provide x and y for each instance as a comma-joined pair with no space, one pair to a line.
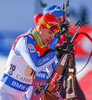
69,37
64,48
64,26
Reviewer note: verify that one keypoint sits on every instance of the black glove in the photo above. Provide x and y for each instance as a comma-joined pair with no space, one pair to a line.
69,37
64,26
64,48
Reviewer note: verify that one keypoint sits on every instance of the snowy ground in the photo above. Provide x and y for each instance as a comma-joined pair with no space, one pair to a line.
3,61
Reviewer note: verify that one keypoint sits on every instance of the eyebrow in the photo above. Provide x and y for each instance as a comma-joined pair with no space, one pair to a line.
52,31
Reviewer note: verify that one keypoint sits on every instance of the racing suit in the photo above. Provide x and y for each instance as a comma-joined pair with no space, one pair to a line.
23,63
42,76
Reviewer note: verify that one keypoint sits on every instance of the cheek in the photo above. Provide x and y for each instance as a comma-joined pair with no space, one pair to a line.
59,21
43,36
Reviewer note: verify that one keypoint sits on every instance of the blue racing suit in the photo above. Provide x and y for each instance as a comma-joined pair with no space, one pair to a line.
42,76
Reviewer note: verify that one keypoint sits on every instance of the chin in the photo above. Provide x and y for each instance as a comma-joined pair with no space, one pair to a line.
45,43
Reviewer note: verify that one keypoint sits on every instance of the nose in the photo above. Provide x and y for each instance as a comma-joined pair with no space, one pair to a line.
51,36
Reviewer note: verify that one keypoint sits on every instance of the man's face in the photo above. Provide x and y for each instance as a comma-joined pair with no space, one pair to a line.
59,19
46,35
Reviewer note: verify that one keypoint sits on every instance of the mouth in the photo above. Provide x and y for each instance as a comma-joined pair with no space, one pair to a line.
48,40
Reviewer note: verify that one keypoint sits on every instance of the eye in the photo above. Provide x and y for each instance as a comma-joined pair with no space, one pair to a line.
50,32
58,18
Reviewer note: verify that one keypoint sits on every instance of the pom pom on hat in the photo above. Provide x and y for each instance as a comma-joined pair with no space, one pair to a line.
36,17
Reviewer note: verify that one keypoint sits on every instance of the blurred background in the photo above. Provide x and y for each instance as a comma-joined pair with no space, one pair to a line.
16,17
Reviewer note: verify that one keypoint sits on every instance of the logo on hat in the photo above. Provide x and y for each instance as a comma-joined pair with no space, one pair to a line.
54,23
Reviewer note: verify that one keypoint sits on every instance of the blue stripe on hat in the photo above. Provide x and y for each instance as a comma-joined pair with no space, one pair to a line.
53,9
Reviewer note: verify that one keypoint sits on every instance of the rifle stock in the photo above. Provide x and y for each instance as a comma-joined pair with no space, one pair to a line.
59,70
70,90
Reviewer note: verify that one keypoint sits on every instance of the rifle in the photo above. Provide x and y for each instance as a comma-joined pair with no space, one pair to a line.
52,85
69,78
65,5
43,5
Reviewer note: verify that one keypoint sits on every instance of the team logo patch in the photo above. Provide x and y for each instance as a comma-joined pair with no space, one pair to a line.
10,72
43,61
54,78
40,62
29,71
31,48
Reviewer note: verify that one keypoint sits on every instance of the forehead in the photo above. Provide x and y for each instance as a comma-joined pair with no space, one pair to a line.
60,17
49,31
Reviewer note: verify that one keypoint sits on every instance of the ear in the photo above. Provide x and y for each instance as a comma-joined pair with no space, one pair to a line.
39,28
